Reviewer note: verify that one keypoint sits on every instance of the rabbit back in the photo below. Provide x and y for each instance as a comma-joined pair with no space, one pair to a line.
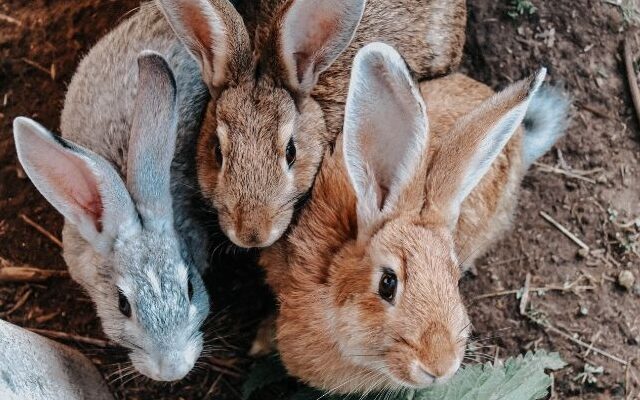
487,212
99,105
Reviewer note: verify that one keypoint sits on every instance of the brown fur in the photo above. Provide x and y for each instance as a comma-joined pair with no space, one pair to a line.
333,330
487,212
255,194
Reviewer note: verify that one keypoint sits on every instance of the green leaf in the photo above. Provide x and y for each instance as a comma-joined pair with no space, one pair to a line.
519,378
265,371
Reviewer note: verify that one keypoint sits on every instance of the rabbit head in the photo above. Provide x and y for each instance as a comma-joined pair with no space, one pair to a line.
263,136
119,238
371,299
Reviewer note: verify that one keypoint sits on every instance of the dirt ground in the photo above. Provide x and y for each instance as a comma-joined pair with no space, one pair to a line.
589,184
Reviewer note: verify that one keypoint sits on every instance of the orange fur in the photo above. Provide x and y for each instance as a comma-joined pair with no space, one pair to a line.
333,330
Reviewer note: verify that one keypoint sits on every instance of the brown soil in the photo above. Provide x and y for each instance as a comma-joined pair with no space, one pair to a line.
580,42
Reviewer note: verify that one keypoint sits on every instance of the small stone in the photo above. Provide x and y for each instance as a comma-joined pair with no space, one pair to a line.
584,310
583,253
626,279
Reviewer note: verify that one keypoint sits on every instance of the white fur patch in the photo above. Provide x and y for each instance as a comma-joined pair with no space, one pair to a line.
286,129
183,274
154,281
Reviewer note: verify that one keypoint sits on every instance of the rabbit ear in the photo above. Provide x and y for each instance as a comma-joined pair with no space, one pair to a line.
385,131
153,141
466,153
214,34
81,185
313,33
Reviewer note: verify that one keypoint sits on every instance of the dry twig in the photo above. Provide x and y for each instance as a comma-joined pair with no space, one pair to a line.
28,274
564,230
579,342
570,174
23,299
594,110
524,300
36,66
501,262
594,338
631,74
571,287
46,317
73,338
11,20
40,229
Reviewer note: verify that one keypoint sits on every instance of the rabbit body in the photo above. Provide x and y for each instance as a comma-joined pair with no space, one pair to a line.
487,212
302,267
134,236
333,331
278,73
98,111
36,368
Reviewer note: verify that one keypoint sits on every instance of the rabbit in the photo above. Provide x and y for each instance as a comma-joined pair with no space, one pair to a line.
110,176
278,83
36,368
367,277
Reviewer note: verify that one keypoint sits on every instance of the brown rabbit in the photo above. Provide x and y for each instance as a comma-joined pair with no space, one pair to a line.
367,279
278,86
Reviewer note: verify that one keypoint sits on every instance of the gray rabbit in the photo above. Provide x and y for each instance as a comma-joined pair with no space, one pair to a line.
36,368
131,238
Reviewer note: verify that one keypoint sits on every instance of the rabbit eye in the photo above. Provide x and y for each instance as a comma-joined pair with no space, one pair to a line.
190,289
123,304
388,285
218,151
291,153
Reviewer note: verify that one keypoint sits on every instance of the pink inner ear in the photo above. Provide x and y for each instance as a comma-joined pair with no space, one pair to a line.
311,46
76,184
88,198
317,38
196,21
303,62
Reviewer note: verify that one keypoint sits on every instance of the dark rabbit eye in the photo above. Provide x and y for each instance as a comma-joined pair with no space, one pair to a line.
218,151
388,285
123,304
190,289
291,153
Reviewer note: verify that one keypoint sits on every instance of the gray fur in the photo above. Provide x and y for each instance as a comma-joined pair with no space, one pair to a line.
545,122
35,368
150,265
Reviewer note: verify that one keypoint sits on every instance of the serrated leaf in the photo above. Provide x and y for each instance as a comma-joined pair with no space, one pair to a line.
265,371
518,378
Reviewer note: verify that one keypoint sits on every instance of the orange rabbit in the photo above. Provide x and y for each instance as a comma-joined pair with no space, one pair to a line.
368,277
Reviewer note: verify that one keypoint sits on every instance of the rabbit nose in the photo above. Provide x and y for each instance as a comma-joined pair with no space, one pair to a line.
247,239
423,375
250,229
439,359
173,368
